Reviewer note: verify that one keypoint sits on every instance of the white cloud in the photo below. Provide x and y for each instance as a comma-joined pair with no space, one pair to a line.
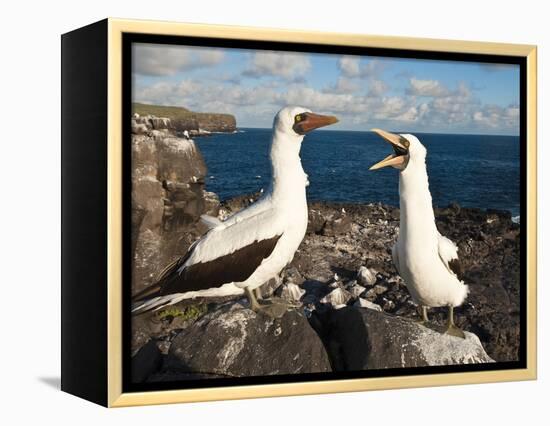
431,88
494,116
343,85
457,110
351,66
497,67
353,74
165,93
166,60
289,66
359,93
204,96
317,100
377,87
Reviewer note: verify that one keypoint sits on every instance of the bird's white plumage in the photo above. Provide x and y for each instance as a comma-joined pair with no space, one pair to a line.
211,222
395,258
281,211
448,251
155,303
421,254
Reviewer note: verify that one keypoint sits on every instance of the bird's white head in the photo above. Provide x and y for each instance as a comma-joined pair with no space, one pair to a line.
289,127
408,151
296,121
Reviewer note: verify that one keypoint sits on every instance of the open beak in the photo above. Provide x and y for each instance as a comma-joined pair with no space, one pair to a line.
311,121
401,150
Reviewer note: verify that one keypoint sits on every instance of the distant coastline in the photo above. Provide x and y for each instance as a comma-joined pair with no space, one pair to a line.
337,129
183,119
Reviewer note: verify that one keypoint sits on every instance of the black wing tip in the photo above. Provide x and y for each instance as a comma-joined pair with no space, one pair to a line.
171,281
147,293
456,266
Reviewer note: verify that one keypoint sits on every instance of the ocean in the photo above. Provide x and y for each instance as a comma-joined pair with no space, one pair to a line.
473,170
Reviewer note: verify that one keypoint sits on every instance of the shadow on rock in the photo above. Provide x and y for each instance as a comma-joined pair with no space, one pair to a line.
364,339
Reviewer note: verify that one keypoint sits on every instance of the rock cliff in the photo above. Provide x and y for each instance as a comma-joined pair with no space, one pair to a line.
181,119
168,197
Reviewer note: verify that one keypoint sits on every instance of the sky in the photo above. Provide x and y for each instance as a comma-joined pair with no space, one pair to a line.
407,95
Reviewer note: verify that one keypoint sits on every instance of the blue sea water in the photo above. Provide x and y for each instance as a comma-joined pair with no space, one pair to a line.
472,170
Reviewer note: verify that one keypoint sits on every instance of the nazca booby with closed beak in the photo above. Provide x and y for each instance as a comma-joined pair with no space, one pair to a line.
426,260
254,245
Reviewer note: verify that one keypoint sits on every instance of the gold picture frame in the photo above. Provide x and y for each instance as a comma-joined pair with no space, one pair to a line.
114,396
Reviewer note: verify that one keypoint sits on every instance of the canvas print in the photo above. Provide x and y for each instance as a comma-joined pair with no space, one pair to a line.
307,215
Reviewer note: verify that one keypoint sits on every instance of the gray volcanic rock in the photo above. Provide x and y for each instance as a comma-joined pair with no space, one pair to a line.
147,361
234,341
338,224
168,197
206,121
365,276
363,339
180,119
488,245
337,297
316,221
290,292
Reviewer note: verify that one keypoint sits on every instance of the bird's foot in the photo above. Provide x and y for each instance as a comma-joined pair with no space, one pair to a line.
280,301
272,310
453,330
423,320
428,324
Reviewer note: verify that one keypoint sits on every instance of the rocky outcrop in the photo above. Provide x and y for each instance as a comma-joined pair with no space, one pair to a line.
168,197
179,119
230,340
207,122
234,341
488,243
364,339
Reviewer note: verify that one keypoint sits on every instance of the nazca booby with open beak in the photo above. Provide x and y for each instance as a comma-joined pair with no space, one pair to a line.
254,245
426,260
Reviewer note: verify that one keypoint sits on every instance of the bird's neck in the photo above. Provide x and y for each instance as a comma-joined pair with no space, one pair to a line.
417,220
288,177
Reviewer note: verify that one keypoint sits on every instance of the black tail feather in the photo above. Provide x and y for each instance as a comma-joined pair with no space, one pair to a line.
147,293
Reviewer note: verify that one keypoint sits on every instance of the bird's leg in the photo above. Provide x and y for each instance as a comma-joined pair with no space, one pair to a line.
273,310
452,329
424,315
254,305
273,300
257,293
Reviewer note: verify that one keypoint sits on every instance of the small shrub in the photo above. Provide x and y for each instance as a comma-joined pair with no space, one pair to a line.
190,312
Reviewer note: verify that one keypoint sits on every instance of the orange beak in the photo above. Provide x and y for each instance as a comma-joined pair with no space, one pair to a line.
400,146
312,121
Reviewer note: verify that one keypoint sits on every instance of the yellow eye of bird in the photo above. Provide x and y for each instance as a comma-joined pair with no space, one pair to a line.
298,118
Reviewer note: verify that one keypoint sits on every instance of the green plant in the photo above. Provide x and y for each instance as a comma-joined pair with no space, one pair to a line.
185,313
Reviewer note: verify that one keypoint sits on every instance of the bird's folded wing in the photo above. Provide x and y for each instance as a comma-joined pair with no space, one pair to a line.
211,222
234,267
224,255
260,206
220,242
448,253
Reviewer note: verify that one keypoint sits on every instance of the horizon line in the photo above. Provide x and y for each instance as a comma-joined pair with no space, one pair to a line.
395,131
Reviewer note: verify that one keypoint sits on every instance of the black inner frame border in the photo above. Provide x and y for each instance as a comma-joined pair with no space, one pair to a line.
129,38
